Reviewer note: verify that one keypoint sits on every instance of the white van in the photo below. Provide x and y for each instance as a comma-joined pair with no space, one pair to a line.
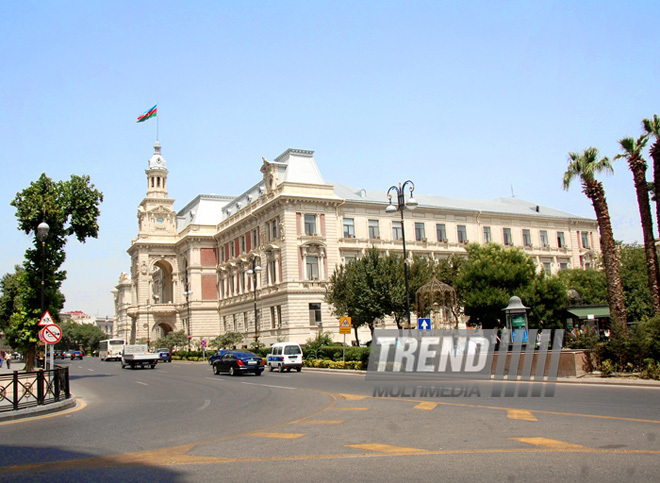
285,355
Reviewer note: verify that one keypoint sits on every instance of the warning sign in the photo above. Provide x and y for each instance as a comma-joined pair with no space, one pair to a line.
344,325
46,319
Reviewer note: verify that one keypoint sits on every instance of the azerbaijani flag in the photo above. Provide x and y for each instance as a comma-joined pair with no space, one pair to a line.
153,112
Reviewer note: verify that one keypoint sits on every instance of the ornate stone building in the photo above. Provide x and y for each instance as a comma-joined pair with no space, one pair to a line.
192,270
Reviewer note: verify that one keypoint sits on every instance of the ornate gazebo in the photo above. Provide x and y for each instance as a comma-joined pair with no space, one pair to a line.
439,300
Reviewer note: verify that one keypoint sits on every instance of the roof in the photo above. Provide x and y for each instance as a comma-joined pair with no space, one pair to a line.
593,312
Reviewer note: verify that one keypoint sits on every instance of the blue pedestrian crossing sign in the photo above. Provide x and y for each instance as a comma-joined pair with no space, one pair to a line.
424,324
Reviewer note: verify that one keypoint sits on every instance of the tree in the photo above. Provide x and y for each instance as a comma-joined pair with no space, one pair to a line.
172,340
584,166
633,153
12,288
632,262
589,283
229,339
69,208
546,298
652,127
85,337
490,276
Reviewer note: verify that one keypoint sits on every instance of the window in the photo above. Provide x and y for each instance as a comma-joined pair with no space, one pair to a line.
374,230
255,238
420,234
461,230
544,239
272,270
312,268
546,268
243,247
349,228
310,225
315,315
560,239
397,230
527,238
232,249
585,239
563,265
441,232
274,230
279,316
487,237
273,320
508,239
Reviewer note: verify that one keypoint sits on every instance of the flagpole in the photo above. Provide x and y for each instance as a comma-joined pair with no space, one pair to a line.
157,126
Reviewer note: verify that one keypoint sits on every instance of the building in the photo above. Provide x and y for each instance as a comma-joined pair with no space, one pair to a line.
104,323
192,270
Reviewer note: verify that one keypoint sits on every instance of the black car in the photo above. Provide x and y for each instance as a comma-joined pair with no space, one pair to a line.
217,356
76,355
239,362
164,354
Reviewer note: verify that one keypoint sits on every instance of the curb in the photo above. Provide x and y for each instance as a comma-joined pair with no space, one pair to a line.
38,410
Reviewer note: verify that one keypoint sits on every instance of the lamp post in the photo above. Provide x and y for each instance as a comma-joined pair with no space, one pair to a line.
188,293
254,269
411,204
42,234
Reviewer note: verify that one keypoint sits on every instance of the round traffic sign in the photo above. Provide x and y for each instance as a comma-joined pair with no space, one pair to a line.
203,343
51,334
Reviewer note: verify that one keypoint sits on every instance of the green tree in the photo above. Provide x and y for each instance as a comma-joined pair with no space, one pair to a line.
69,208
633,154
590,284
632,262
652,128
227,340
491,275
12,288
84,337
547,298
172,340
585,166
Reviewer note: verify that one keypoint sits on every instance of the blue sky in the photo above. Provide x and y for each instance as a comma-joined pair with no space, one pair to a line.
469,99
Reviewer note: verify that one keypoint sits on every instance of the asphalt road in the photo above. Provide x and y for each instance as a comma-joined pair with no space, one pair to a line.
179,422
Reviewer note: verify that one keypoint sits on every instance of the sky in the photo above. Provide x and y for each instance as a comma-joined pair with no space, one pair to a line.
468,99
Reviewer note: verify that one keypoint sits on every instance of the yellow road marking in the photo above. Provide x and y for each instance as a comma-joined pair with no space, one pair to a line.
80,404
550,443
349,409
351,397
520,414
386,448
278,435
426,405
320,421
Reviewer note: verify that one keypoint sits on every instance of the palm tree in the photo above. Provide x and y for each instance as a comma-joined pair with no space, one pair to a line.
584,166
652,127
633,154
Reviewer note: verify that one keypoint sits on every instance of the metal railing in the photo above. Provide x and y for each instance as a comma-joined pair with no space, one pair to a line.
21,390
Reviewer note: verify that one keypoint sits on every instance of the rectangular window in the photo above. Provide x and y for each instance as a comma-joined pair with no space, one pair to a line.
274,229
243,246
546,268
315,315
487,237
441,232
310,225
349,228
279,316
273,321
508,239
527,238
585,239
563,266
420,234
272,270
232,249
374,230
461,231
545,243
561,243
397,230
312,268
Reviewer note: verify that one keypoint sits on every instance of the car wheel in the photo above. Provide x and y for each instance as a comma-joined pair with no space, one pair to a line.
232,371
216,371
258,373
298,369
280,368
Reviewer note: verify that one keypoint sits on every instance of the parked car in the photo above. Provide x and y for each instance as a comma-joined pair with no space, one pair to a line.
66,355
219,353
164,354
238,362
76,355
58,354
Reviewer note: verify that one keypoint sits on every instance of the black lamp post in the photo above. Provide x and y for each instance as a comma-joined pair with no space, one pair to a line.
42,234
254,269
188,293
148,307
411,204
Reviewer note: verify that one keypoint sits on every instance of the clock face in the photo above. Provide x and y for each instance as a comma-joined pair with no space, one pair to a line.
160,220
158,161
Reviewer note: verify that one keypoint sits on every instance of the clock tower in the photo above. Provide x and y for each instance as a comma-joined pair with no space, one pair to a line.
156,215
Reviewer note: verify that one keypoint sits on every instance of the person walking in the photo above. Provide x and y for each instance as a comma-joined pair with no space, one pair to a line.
8,359
2,358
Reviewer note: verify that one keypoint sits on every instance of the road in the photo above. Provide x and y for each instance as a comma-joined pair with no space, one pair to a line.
179,422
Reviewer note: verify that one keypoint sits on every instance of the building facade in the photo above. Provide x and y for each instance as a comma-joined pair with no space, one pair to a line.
223,262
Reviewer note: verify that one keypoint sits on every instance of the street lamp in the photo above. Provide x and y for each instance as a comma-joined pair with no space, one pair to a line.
411,204
188,293
42,234
254,269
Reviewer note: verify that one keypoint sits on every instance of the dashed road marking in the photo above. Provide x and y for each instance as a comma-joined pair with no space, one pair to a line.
386,448
550,443
261,434
520,414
